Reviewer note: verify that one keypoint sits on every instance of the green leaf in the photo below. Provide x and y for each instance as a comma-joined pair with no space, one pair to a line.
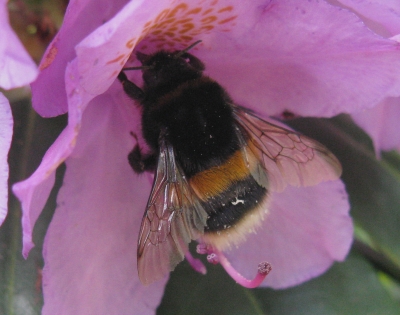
392,160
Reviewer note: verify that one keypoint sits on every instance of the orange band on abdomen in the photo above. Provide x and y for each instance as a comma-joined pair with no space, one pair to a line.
217,179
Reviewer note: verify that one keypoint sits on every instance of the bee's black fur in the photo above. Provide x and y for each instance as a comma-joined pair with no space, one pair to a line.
193,108
197,115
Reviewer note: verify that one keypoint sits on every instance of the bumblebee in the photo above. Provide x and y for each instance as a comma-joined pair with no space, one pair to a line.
215,162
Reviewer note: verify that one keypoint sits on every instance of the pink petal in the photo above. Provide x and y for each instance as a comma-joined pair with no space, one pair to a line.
384,14
382,124
16,66
307,57
90,247
301,237
6,130
34,191
81,18
313,55
102,55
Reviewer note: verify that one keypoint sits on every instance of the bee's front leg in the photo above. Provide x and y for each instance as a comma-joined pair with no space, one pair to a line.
141,162
130,88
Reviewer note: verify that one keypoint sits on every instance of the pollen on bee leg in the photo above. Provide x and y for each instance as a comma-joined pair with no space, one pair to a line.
263,270
195,263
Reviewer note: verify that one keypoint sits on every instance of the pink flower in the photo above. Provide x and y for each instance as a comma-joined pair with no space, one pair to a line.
381,121
16,69
309,58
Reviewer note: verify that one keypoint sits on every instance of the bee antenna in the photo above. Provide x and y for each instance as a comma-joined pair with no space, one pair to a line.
187,49
137,68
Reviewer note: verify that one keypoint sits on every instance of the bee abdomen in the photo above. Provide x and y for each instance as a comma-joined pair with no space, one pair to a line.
230,207
234,200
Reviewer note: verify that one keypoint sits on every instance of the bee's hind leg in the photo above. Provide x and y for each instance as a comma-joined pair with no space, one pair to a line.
141,162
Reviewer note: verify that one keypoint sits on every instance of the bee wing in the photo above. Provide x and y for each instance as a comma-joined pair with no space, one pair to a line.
287,156
173,217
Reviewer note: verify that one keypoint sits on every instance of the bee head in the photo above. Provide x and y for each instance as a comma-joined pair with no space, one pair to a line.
163,68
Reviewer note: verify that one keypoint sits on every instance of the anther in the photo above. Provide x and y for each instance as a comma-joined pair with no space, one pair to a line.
213,258
263,270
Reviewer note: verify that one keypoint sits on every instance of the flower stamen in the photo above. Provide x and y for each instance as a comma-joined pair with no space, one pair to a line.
263,270
195,263
214,257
